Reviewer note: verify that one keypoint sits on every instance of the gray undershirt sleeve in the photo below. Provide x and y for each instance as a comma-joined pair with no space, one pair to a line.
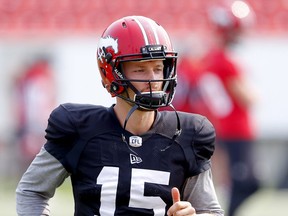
200,192
38,185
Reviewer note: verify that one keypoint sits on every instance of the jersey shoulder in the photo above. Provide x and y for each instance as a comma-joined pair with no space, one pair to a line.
197,138
68,119
197,126
71,125
202,143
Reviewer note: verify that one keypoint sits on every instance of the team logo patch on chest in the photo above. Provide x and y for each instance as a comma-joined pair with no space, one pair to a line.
135,141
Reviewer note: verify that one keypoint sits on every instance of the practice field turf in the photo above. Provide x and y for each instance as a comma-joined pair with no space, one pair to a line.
266,202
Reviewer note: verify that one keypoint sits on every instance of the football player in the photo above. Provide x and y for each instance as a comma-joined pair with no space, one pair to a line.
229,99
130,158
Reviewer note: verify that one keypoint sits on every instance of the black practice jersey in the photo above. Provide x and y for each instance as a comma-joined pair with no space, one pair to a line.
111,177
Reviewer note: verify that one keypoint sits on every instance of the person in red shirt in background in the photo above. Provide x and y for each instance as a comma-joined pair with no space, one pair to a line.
35,97
219,90
229,99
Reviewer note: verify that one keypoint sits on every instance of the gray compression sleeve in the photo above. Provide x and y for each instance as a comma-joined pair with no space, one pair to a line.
200,192
38,185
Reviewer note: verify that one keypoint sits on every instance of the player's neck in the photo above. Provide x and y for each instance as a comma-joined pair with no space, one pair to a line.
138,123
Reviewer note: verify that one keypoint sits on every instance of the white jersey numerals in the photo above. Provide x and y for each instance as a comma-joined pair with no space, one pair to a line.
108,178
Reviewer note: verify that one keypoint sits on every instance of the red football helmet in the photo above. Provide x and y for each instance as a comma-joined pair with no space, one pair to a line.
231,20
136,38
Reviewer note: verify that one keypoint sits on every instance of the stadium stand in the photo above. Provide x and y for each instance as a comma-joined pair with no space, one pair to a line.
90,16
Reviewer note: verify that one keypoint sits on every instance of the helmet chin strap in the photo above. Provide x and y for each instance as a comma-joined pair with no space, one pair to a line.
124,127
135,107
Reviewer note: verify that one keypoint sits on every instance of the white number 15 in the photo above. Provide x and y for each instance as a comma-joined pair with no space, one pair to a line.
108,178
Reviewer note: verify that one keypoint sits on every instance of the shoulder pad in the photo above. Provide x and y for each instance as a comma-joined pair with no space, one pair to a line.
198,141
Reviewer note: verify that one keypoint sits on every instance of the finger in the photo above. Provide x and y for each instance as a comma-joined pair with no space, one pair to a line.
175,194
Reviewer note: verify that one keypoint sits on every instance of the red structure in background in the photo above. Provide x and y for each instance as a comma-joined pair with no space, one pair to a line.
91,16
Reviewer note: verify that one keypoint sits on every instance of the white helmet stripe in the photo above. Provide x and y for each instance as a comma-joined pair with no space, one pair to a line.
144,32
152,24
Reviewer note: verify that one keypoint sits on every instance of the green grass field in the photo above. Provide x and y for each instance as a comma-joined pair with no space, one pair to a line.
266,202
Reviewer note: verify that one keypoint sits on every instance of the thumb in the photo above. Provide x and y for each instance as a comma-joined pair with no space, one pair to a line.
175,194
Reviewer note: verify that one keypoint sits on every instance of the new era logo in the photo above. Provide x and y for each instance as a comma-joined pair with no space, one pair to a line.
135,159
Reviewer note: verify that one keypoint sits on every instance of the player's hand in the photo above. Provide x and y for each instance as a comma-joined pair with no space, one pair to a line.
180,208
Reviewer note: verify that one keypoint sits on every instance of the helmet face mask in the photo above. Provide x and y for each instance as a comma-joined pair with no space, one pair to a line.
137,38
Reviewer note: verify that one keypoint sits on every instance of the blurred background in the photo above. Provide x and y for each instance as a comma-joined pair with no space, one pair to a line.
48,57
